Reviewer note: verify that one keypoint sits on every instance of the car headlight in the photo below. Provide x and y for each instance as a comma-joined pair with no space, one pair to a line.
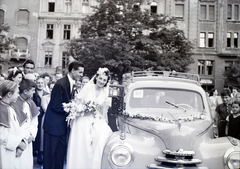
232,159
121,156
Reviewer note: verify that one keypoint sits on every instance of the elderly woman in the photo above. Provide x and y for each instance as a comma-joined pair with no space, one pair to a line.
37,98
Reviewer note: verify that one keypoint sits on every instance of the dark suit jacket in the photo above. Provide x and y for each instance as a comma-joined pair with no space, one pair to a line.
37,100
55,118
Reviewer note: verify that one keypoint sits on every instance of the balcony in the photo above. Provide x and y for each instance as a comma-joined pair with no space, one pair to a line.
19,54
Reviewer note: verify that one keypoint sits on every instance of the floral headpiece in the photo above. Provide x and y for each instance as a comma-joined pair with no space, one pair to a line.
102,70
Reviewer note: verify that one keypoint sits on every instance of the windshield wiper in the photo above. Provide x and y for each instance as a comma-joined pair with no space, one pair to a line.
172,104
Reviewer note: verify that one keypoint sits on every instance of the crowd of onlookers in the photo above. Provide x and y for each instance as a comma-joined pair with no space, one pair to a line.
28,93
226,111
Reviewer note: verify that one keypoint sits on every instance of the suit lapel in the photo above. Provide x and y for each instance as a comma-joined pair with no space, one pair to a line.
68,86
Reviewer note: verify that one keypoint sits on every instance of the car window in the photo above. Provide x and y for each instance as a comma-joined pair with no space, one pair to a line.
166,98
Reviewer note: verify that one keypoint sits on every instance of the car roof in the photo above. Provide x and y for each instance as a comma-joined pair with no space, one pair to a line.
166,79
165,83
151,79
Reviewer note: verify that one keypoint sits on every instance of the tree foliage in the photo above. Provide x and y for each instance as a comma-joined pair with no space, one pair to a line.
122,37
232,74
4,40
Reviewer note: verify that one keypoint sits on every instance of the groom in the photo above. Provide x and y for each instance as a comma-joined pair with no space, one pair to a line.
55,126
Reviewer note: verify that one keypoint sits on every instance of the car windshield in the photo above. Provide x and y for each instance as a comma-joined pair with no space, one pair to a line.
166,98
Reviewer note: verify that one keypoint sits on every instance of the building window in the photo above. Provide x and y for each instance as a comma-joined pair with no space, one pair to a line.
49,31
207,12
136,7
232,40
85,2
22,17
51,6
210,40
211,12
48,59
233,12
21,43
229,37
236,12
153,7
205,67
209,67
202,40
235,40
66,31
200,67
179,11
229,12
203,12
1,16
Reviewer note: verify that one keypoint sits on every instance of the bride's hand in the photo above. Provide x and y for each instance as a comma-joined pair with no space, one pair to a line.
71,123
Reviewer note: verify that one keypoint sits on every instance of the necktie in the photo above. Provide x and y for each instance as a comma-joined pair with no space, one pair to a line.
73,92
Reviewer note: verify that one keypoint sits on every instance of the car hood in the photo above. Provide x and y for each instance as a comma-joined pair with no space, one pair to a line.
175,135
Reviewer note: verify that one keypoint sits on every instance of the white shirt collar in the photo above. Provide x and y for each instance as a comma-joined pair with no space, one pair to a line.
72,82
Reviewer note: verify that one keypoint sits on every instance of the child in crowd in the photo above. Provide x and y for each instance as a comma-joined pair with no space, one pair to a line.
85,80
15,75
47,79
237,97
234,91
12,144
222,111
234,121
25,105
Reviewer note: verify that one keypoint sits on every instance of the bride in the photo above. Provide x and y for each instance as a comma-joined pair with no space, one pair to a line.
89,133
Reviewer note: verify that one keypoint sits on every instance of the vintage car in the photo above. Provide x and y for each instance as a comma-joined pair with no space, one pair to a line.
164,121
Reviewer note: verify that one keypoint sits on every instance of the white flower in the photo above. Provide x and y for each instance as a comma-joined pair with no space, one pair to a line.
102,70
76,108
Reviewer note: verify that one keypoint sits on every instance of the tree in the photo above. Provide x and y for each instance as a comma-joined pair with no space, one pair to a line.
232,74
4,41
122,37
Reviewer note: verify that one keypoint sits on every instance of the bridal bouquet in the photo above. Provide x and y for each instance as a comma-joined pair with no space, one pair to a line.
75,108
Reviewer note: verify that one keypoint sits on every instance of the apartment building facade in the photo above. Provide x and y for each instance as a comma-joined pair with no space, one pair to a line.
22,17
59,21
212,25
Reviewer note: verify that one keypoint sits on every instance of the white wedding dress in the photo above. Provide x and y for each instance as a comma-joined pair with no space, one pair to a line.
88,133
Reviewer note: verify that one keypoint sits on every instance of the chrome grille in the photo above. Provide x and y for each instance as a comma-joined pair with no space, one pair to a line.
176,159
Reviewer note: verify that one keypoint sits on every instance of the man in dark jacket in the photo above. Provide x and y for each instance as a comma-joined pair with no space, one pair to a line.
55,126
